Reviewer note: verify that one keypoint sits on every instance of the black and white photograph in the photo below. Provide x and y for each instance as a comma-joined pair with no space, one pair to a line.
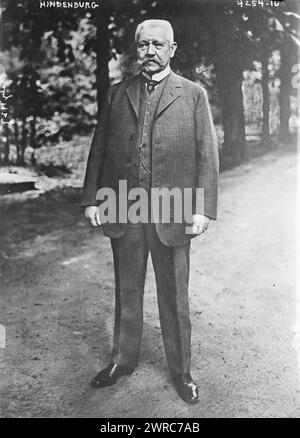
149,211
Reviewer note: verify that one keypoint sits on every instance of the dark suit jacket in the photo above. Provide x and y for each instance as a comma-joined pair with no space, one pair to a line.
184,148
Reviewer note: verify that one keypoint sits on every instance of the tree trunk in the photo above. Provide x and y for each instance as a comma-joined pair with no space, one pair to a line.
17,141
265,139
33,132
103,56
33,142
6,148
229,81
23,142
228,61
285,75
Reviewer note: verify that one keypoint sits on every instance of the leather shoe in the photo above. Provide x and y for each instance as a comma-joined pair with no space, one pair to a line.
110,375
186,387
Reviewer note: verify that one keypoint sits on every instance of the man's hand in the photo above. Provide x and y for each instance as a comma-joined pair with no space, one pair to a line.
200,223
92,214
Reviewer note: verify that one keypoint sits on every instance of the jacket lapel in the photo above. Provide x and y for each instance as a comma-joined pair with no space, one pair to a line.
133,93
171,92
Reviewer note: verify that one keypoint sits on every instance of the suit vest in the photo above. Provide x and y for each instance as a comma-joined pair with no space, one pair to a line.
143,143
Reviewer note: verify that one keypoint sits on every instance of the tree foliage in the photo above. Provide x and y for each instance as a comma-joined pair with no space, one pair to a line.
57,61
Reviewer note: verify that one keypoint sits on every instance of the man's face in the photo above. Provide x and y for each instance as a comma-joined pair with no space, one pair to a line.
154,49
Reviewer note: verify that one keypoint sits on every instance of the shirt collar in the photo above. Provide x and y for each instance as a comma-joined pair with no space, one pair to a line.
160,75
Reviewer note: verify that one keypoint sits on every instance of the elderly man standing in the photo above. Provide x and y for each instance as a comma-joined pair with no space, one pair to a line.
155,131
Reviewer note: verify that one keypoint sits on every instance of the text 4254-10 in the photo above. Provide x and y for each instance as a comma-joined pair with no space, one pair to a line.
254,3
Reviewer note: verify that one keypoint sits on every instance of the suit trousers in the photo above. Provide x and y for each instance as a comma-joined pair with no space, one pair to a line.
171,267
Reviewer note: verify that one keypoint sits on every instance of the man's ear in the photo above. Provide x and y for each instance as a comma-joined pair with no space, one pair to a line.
173,48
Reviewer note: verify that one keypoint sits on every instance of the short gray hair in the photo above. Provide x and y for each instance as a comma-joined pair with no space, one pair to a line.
166,25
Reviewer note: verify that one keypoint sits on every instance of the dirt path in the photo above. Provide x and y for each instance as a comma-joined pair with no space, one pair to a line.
57,290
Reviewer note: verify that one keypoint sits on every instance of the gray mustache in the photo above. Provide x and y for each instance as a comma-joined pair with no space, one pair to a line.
150,60
145,62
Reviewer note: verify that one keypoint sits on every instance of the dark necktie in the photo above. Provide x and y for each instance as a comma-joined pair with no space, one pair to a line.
151,85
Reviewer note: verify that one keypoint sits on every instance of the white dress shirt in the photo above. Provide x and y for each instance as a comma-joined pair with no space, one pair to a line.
158,76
